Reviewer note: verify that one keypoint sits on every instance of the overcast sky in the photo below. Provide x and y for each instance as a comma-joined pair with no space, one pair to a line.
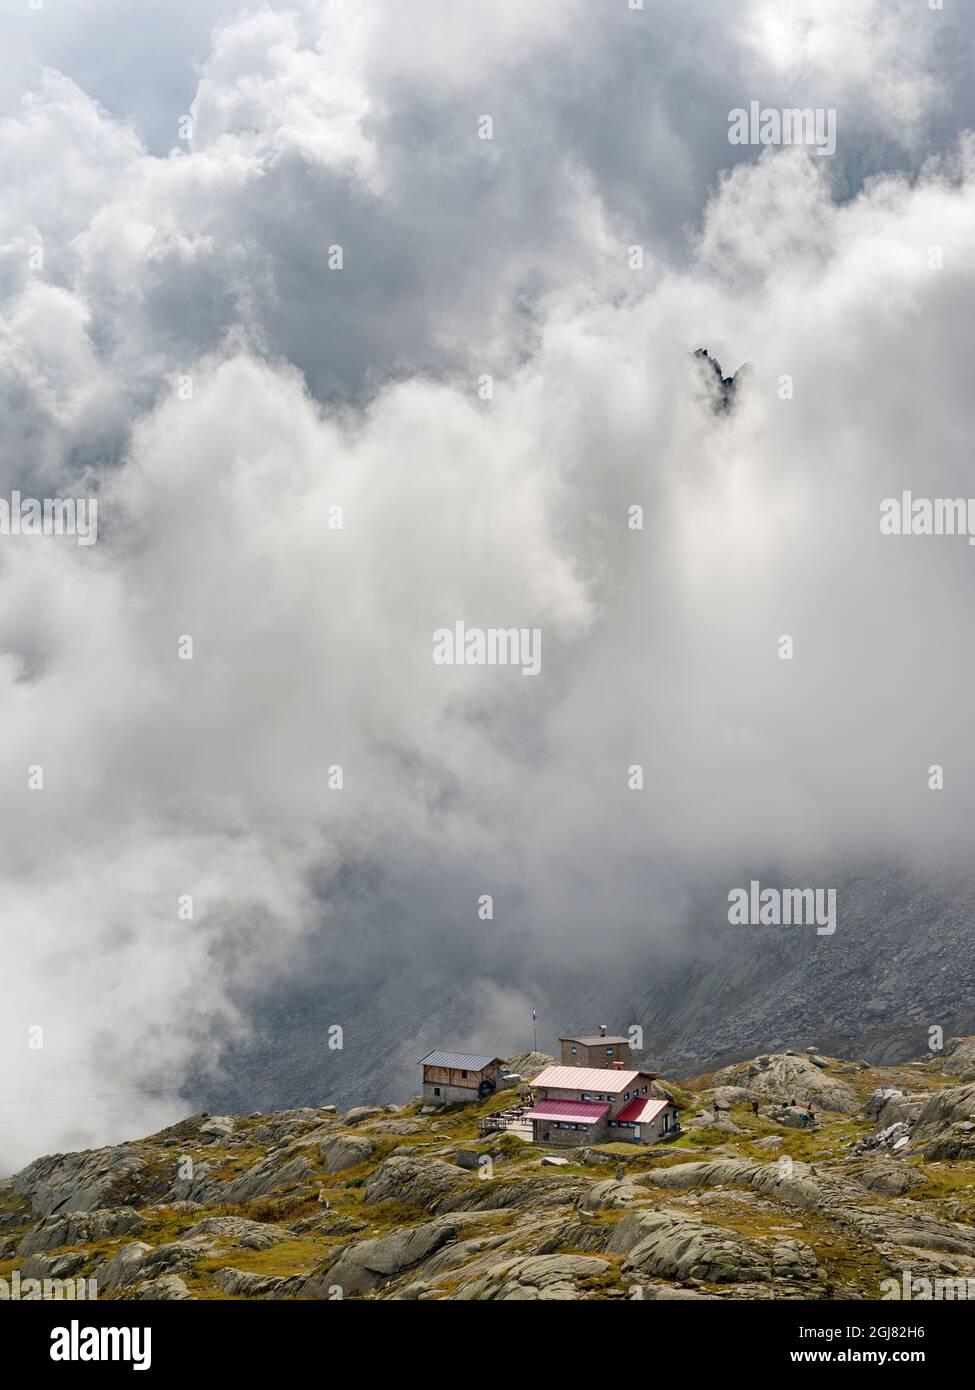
183,351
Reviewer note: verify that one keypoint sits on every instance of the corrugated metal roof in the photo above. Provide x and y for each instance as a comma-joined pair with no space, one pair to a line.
580,1111
460,1061
609,1080
641,1111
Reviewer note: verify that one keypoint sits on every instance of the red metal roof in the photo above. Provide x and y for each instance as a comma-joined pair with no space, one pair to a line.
585,1112
642,1110
610,1080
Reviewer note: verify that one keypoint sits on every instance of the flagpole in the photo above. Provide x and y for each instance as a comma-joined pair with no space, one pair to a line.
534,1031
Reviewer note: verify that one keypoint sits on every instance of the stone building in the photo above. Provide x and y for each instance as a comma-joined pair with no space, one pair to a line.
596,1105
603,1050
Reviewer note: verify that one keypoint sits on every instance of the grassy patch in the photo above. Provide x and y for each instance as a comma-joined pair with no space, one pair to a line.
284,1258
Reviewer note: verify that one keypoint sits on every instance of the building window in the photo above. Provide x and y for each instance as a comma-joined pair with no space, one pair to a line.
626,1095
573,1051
436,1090
463,1073
609,1052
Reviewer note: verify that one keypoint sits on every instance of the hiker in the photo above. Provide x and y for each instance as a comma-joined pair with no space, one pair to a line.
754,1107
812,1116
793,1103
714,1107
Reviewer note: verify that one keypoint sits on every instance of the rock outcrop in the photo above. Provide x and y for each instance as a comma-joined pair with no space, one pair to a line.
417,1181
236,1230
340,1151
371,1263
781,1077
959,1059
310,1204
81,1182
555,1278
81,1228
668,1244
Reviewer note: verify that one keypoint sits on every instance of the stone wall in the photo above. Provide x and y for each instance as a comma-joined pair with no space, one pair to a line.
449,1095
548,1132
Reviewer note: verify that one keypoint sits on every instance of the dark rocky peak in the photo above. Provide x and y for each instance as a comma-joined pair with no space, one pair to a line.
722,388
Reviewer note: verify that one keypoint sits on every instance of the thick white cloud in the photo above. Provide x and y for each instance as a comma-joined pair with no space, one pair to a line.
314,388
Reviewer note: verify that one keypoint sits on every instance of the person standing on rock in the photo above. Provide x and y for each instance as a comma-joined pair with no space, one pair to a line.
755,1108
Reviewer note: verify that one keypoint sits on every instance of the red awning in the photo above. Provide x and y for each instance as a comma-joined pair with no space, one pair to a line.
641,1111
580,1112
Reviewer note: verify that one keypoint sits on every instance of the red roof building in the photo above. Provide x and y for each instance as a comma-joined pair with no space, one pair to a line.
607,1080
584,1112
575,1105
642,1112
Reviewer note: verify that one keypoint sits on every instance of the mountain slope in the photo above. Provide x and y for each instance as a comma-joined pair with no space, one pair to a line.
407,1204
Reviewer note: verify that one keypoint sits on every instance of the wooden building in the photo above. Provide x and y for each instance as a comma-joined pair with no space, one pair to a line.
458,1078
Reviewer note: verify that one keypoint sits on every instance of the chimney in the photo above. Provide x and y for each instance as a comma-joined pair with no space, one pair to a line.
602,1030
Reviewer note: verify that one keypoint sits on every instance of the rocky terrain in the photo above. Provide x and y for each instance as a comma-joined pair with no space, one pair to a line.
871,1172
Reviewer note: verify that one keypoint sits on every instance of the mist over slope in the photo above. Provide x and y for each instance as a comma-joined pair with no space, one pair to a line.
341,373
895,969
